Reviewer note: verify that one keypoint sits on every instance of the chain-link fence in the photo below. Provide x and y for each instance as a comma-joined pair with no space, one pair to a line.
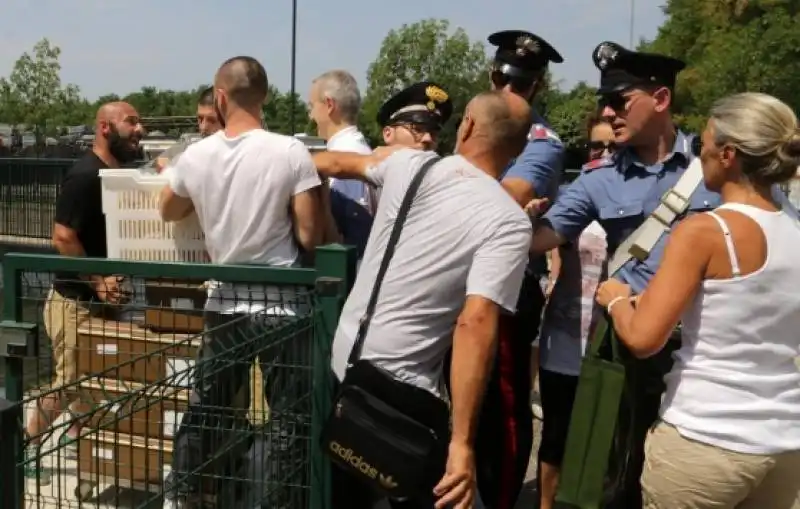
134,384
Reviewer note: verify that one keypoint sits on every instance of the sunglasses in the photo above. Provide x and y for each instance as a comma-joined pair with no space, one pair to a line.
517,83
601,145
616,101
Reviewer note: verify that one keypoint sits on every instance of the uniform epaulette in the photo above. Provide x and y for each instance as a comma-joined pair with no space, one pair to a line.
542,132
600,162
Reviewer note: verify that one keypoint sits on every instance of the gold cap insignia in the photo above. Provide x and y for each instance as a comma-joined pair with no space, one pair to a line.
436,95
431,105
525,45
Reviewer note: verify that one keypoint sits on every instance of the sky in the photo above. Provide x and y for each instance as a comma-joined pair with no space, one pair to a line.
110,46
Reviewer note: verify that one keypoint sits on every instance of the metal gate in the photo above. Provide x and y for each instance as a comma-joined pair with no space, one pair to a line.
163,399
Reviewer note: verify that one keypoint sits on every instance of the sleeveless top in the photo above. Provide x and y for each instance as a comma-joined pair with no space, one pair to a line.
735,383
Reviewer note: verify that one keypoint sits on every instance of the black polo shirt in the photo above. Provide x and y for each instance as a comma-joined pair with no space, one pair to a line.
79,206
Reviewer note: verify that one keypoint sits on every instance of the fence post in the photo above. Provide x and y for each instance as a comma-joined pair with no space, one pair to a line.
12,481
336,268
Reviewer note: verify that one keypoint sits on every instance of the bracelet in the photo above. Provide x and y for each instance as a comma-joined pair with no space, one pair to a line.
614,301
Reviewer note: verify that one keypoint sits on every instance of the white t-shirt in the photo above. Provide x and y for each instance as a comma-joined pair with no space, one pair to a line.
464,235
242,190
571,310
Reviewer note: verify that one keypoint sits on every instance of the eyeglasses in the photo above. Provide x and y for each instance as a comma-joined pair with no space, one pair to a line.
602,145
518,84
616,101
418,130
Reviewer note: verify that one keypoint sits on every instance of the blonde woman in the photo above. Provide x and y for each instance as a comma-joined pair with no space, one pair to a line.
729,435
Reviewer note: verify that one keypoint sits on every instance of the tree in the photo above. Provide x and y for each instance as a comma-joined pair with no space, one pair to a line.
425,50
567,111
33,95
277,112
731,46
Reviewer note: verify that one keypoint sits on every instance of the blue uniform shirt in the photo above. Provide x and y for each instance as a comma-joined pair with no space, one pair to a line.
541,161
541,164
620,192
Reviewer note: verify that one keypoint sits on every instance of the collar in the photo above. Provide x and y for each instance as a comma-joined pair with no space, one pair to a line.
347,132
681,153
538,119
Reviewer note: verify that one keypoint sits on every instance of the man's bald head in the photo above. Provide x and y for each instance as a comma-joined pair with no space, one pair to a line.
118,130
503,119
244,81
115,112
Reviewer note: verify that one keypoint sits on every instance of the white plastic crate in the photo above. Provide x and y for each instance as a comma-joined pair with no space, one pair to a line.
134,228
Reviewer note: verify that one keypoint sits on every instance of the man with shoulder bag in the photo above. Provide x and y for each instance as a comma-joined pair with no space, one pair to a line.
447,251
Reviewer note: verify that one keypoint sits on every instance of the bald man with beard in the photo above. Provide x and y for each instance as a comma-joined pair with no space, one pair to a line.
80,230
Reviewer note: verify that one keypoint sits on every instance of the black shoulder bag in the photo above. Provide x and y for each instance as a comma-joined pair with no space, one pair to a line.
390,434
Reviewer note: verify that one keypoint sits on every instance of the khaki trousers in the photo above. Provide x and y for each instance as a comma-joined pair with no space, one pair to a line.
680,473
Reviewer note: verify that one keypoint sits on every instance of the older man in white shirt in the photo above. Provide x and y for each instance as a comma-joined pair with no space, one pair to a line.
333,104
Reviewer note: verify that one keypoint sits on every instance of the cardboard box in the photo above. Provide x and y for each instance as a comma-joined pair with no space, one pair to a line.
175,306
124,351
119,456
135,409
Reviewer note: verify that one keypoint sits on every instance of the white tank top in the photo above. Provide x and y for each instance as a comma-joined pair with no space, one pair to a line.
735,383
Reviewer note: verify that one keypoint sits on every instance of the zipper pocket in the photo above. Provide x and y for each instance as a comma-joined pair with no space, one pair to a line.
353,409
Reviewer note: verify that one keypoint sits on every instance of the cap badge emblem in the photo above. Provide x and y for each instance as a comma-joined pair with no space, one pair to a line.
435,95
526,44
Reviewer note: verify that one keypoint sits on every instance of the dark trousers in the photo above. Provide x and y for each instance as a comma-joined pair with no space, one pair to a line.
348,492
215,434
644,387
505,431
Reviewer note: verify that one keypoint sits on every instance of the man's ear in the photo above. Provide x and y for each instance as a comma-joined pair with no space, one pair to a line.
663,99
467,128
387,135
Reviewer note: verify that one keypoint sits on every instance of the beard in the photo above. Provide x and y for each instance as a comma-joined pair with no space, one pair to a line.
123,149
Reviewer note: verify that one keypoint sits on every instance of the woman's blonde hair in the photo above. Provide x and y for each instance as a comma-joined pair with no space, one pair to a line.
764,132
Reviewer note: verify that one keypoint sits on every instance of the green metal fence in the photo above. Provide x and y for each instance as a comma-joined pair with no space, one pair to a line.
128,377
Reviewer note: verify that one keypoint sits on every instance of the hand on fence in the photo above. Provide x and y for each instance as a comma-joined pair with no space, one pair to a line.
459,486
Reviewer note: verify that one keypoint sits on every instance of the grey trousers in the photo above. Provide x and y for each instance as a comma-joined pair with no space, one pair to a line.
266,464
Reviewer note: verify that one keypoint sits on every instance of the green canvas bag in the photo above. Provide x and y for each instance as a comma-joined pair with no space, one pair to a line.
593,422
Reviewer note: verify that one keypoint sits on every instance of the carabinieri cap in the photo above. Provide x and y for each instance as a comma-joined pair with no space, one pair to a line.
424,103
523,54
621,68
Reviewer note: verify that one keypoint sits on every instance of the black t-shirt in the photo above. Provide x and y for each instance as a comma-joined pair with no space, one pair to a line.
80,207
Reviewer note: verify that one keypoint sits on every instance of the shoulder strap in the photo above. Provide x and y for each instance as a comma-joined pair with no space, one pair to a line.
402,213
672,204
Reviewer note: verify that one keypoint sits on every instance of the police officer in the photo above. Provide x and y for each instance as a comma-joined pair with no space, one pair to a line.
519,66
635,96
414,116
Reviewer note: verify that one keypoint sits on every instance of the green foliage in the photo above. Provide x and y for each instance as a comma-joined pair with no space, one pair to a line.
425,50
34,98
730,46
567,112
33,95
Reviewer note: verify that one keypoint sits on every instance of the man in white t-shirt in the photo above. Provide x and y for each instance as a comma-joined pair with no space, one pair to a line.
256,196
459,260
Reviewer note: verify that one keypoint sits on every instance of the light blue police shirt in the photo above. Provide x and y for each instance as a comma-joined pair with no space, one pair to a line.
541,164
620,192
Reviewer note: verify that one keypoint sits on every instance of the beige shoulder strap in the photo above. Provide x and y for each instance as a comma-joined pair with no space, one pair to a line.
674,203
